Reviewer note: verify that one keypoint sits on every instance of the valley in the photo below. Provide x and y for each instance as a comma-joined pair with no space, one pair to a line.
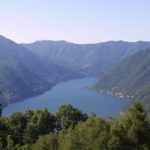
72,92
28,70
23,75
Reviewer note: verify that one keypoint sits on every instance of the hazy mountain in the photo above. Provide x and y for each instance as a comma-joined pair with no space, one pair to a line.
144,96
131,77
90,59
30,69
22,74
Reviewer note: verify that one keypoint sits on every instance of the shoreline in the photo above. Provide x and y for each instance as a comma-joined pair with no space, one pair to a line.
37,94
117,94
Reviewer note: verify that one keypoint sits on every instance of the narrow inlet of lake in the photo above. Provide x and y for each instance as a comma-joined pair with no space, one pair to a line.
72,92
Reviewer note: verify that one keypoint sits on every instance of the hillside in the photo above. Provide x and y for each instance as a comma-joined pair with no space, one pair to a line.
89,59
144,96
22,74
129,78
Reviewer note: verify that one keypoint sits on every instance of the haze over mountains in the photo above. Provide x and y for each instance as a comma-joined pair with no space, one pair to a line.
130,78
22,74
90,59
30,69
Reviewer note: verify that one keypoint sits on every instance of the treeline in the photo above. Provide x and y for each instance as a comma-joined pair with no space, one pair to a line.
70,129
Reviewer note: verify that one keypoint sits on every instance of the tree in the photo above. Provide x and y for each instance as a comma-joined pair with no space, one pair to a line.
10,144
68,116
1,144
131,129
36,130
17,123
42,122
138,126
47,142
0,110
93,134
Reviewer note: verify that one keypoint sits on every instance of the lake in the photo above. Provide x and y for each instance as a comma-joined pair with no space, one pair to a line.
72,92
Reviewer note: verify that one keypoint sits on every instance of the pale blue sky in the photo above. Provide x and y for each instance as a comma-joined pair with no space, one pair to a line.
80,21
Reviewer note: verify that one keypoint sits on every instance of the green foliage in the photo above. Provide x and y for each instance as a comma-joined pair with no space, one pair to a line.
10,144
1,144
41,122
132,129
0,110
69,116
91,134
38,129
17,123
48,142
129,131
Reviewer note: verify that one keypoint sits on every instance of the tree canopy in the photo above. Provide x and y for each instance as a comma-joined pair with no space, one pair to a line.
70,129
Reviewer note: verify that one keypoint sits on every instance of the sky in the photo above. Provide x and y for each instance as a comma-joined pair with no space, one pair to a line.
78,21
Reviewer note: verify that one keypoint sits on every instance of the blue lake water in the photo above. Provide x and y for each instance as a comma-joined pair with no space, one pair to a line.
72,92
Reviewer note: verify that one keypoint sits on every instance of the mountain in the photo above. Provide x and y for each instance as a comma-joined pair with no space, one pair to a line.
130,78
22,74
30,69
144,97
88,59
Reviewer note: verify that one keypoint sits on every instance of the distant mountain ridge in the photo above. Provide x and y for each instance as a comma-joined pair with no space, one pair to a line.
89,59
22,74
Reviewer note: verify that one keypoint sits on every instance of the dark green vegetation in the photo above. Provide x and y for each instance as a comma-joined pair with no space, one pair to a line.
131,78
70,129
0,110
89,59
22,74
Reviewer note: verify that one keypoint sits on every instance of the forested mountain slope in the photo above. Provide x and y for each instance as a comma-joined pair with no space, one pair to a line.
131,77
144,96
22,74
